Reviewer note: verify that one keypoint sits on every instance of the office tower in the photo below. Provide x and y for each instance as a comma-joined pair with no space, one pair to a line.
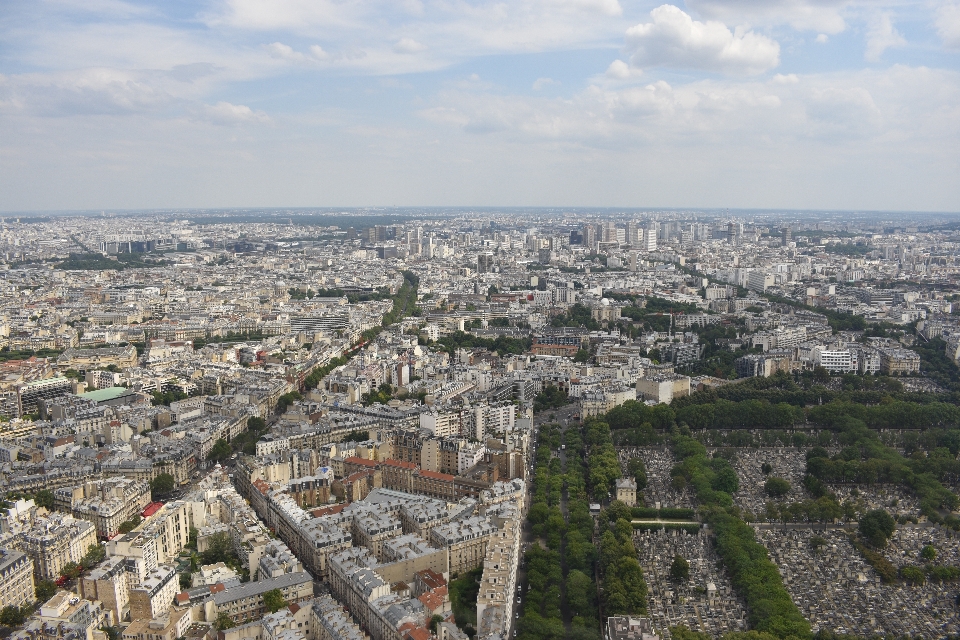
632,238
485,262
650,236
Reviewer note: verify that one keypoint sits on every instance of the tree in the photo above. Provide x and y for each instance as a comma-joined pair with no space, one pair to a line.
766,468
726,480
287,399
776,487
44,590
617,511
684,633
928,552
71,570
876,527
224,622
913,575
273,600
130,525
219,548
44,498
639,472
679,569
434,620
113,633
219,451
162,485
12,616
94,555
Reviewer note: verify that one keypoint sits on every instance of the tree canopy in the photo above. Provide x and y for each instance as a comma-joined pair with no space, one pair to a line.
162,485
876,527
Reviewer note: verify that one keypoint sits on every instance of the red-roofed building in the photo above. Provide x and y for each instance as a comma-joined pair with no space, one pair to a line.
417,633
427,580
357,485
151,509
436,602
398,474
328,511
353,464
435,484
262,486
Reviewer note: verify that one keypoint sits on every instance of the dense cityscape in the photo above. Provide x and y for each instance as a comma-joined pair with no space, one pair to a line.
479,424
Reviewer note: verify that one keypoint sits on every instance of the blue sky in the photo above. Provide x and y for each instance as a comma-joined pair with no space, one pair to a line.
801,104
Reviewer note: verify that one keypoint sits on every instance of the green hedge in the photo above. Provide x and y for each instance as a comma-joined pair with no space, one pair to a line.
667,513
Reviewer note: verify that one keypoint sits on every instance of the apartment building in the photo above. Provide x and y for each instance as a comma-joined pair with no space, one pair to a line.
465,540
435,485
65,616
245,603
169,625
106,503
84,359
499,581
55,541
330,621
153,594
108,583
16,579
895,361
159,539
663,388
371,529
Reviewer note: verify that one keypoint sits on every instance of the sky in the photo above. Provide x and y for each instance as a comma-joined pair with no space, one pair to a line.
786,104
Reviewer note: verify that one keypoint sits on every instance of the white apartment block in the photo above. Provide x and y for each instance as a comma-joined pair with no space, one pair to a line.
442,424
159,539
663,388
835,360
154,593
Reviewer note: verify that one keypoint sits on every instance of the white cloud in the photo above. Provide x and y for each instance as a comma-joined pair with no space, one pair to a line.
806,15
948,24
868,110
452,30
790,78
541,83
619,70
231,114
284,52
881,35
674,39
318,53
822,38
96,91
408,46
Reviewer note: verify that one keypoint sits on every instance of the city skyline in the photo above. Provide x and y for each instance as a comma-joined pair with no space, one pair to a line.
807,104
